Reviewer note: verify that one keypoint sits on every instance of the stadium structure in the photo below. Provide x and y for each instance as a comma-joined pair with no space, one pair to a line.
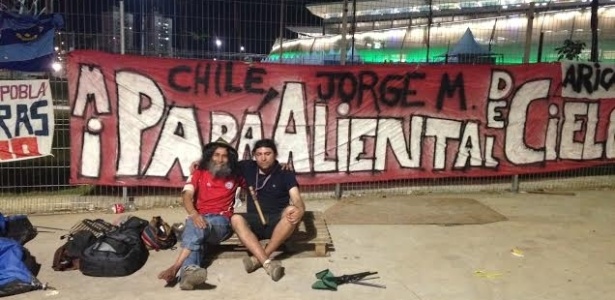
419,31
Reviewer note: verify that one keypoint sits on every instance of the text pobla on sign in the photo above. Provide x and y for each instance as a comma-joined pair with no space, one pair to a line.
32,91
26,119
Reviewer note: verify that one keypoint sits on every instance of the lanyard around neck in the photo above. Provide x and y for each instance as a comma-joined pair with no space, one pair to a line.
264,181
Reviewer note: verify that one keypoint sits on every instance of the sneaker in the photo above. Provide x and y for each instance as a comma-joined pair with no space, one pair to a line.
274,269
192,278
251,264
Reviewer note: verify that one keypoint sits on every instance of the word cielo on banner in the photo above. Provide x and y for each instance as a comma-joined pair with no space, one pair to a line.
26,119
143,121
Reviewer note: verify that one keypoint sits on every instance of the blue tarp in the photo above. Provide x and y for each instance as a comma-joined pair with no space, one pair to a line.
15,277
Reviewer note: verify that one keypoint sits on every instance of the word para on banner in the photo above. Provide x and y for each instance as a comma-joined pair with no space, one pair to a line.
387,134
332,124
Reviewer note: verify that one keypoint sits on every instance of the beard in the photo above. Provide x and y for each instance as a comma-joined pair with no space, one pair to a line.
219,171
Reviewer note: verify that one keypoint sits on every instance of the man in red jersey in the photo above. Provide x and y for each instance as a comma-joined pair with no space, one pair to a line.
214,183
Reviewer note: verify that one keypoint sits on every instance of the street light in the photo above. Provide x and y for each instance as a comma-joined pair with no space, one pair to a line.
242,49
218,44
56,66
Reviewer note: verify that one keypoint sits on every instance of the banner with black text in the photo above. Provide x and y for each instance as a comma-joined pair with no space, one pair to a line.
26,119
142,121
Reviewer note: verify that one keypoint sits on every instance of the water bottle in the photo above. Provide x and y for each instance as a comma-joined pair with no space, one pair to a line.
130,205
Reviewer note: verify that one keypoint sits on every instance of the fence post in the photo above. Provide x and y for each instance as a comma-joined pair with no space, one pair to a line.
338,187
344,32
281,30
353,28
528,33
338,191
540,42
122,51
124,194
122,26
429,23
594,28
526,59
515,184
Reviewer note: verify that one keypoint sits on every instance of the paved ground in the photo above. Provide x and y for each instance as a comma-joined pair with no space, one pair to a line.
568,245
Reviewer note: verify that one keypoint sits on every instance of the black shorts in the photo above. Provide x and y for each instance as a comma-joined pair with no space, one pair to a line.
262,232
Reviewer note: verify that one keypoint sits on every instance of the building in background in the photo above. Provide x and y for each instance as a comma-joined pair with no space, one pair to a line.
415,32
158,35
110,36
154,38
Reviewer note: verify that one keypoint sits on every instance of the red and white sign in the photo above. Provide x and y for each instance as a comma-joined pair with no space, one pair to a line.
26,119
142,121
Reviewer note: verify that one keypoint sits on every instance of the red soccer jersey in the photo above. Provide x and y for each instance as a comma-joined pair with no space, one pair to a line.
214,195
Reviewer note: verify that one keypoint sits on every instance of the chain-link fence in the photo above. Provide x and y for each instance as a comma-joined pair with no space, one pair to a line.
292,31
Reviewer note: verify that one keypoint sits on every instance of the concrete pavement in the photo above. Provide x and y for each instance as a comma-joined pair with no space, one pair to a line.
567,244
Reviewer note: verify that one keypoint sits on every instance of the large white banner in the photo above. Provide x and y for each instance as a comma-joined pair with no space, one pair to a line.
142,121
26,119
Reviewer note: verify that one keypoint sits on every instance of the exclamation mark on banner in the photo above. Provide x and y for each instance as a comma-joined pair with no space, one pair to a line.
91,153
552,129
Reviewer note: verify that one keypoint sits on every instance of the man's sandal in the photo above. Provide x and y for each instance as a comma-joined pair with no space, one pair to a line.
193,277
251,264
274,269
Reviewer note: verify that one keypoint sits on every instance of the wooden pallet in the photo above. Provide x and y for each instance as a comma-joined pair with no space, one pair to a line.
312,231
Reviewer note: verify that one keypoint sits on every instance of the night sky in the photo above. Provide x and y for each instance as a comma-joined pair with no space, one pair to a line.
197,23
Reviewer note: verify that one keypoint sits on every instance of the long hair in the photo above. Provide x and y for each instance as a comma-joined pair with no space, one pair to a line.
208,153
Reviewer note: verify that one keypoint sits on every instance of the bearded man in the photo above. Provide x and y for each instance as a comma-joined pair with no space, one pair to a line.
214,183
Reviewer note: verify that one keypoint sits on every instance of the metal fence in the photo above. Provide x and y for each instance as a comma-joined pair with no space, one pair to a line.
253,30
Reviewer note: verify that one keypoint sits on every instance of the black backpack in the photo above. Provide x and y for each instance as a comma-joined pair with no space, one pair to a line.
83,234
117,253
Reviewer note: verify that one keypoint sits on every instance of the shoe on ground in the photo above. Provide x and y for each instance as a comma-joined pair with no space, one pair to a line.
192,278
274,269
251,264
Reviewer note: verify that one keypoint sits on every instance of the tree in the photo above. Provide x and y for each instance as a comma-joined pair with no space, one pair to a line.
570,50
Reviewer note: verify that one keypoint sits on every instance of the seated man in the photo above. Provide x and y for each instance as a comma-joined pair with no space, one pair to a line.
214,183
278,194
